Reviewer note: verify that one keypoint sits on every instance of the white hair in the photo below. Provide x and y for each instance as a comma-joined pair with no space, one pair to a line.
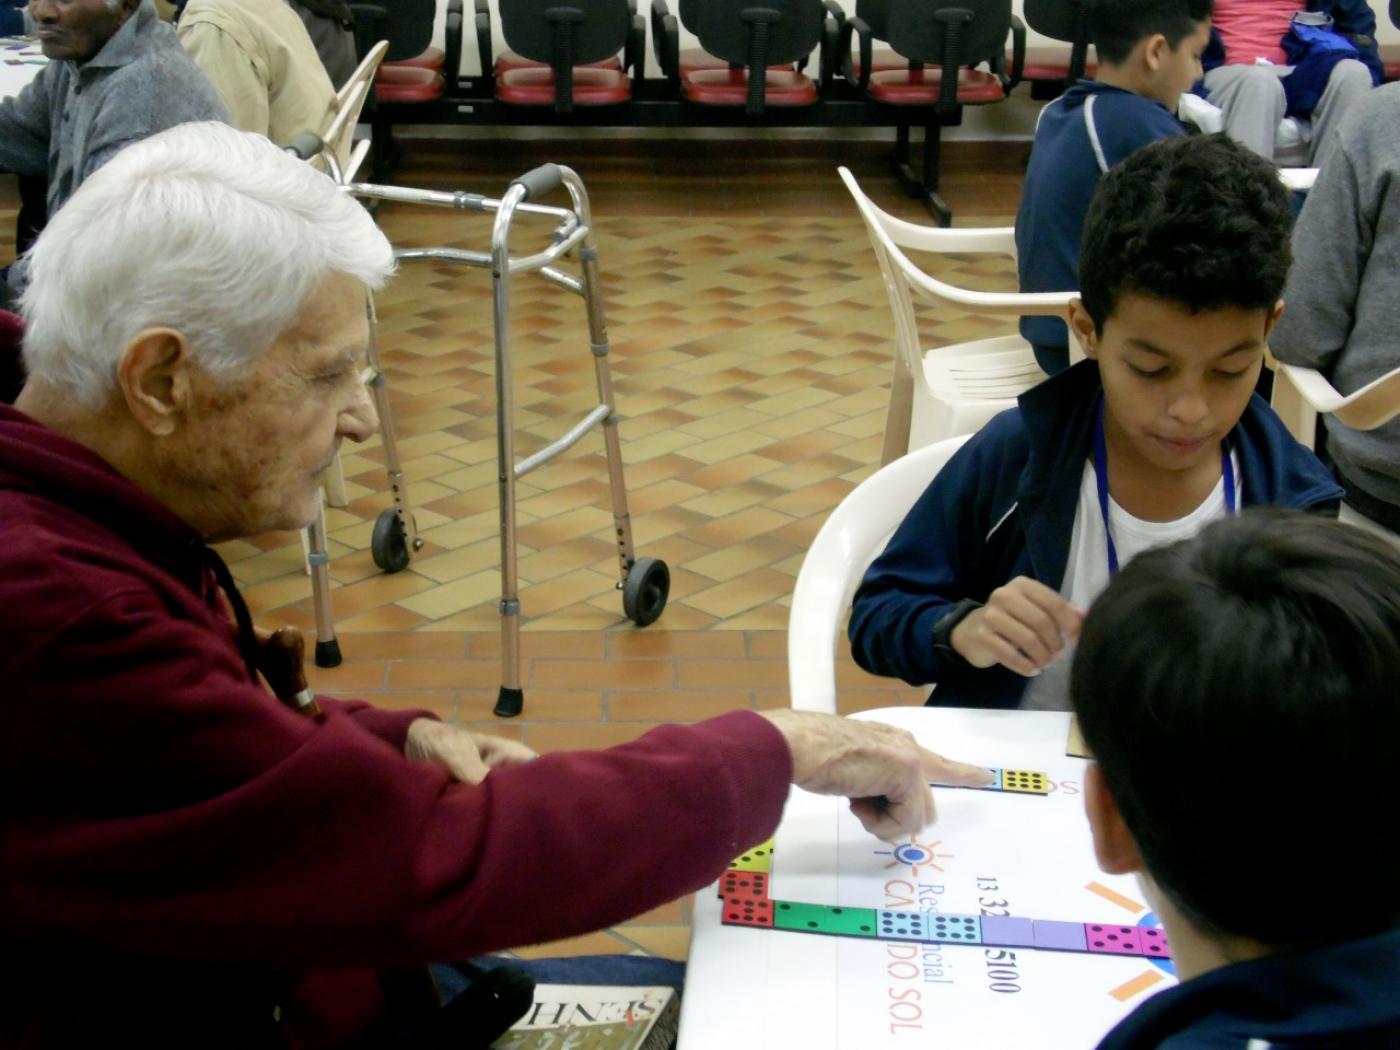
215,233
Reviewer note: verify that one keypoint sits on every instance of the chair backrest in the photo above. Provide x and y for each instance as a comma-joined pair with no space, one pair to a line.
904,280
594,29
339,134
731,29
852,537
949,32
406,24
1062,20
875,14
1301,393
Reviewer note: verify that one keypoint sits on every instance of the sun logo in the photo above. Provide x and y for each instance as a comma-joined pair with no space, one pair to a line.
916,855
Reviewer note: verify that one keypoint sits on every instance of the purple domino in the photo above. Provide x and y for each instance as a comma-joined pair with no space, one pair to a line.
1007,931
1059,936
1113,940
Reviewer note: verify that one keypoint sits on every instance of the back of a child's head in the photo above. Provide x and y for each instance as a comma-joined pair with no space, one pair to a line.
1199,221
1241,693
1117,26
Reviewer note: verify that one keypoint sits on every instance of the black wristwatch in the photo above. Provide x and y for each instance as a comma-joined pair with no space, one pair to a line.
943,629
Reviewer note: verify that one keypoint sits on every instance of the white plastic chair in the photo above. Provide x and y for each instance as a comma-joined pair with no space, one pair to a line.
339,135
1301,393
852,537
956,389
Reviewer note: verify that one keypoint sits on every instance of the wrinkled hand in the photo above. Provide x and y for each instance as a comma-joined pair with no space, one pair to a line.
466,755
883,770
1024,627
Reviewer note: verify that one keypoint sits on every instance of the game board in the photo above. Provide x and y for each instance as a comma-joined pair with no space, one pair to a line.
993,928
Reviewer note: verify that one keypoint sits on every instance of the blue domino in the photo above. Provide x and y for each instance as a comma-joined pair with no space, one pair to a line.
1007,931
902,925
954,929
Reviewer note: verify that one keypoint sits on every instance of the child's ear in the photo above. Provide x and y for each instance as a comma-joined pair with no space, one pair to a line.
1154,51
1114,846
1272,319
1082,328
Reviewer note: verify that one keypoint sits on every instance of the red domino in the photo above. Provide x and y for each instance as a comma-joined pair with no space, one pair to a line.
743,884
747,911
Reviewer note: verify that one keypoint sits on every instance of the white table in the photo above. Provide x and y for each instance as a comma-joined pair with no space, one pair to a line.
14,77
778,989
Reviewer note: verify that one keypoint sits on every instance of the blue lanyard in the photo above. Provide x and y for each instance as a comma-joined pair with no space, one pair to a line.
1227,474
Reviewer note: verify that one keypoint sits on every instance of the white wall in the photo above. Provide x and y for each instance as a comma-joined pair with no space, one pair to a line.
1013,119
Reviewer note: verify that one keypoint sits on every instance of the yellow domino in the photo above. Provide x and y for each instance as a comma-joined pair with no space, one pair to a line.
760,858
1025,781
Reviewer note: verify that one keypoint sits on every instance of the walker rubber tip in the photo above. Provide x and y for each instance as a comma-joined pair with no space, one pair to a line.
509,702
328,653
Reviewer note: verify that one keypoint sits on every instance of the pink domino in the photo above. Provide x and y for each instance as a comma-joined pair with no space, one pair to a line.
1113,940
1154,942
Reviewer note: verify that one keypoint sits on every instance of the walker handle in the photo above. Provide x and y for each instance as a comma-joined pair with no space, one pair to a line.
540,181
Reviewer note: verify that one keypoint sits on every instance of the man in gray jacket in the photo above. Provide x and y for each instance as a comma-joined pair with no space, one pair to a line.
1343,295
116,74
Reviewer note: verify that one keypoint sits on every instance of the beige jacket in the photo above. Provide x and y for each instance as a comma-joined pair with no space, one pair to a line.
261,61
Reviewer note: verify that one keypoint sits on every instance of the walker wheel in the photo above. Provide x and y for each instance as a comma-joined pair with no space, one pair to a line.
389,546
645,590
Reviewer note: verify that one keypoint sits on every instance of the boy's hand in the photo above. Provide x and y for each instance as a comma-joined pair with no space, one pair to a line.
1023,627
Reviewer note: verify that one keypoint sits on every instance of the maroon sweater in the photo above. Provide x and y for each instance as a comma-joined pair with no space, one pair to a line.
181,856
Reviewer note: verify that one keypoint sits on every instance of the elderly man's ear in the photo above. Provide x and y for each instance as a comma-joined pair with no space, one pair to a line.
154,377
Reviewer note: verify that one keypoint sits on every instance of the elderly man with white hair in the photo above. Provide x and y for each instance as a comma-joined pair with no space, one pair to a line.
116,74
184,859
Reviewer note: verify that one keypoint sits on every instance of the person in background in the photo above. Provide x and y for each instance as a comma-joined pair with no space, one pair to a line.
1249,74
1343,298
331,26
260,60
116,74
1149,53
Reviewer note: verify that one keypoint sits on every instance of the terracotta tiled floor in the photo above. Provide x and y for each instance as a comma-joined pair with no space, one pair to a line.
751,351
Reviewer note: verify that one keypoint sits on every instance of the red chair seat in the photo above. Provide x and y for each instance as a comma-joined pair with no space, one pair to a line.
920,87
507,61
881,62
694,59
408,84
433,59
1048,64
1390,58
535,87
730,87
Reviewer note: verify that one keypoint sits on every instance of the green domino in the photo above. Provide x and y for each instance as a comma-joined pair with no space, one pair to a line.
825,918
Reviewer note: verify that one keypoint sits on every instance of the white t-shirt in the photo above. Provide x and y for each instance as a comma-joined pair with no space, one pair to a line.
1086,569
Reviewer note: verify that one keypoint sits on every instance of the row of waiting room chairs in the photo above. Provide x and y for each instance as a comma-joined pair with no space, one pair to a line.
786,63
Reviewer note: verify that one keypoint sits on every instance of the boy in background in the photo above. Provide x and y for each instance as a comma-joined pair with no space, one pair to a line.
1238,691
981,588
1149,53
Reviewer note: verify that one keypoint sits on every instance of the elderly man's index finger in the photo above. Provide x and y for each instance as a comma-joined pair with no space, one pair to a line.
940,770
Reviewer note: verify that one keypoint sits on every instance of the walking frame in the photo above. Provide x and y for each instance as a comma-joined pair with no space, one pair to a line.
644,582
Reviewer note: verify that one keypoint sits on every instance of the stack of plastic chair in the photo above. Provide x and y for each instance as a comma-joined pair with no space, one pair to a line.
756,49
570,51
948,390
942,41
851,538
1300,394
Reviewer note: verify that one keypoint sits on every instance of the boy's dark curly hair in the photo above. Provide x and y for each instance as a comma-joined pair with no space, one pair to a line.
1199,220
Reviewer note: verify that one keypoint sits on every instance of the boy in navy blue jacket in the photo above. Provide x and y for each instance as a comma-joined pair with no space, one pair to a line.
1149,53
1185,252
1238,691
